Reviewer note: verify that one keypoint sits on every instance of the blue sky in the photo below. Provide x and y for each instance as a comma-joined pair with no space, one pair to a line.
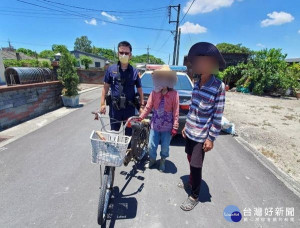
256,24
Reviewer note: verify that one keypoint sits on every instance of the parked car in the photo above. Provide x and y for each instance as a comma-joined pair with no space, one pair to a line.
184,87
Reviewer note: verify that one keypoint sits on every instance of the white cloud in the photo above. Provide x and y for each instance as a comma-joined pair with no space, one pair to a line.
192,28
111,17
206,6
277,18
93,21
260,45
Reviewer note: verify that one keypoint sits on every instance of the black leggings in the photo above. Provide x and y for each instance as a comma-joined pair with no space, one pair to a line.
196,178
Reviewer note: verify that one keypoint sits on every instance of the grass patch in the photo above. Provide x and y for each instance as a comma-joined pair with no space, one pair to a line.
276,107
268,153
266,123
291,117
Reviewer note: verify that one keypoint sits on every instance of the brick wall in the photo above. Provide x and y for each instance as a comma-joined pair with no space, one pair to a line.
91,76
23,102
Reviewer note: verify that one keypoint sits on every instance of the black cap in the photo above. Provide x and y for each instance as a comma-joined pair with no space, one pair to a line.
206,49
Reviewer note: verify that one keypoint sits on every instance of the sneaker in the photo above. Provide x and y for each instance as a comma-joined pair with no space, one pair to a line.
151,163
162,166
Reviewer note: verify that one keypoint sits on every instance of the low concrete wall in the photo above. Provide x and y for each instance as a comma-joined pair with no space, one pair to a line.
91,76
23,102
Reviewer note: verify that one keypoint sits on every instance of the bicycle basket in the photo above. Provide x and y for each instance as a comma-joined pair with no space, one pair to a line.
109,148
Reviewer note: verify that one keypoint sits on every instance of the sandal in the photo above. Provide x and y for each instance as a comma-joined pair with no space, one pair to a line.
184,185
189,204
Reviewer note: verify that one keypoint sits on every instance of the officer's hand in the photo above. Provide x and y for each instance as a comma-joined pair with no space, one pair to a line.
103,109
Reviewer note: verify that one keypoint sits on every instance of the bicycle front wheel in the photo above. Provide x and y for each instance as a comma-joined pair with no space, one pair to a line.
105,193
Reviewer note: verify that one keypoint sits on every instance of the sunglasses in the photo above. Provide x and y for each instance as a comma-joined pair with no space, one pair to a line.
124,53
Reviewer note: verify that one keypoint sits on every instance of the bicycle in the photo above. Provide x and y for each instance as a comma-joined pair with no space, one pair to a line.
110,149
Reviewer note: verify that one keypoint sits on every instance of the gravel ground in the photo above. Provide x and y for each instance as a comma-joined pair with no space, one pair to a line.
271,125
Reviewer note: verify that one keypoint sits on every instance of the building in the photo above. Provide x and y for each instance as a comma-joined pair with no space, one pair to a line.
12,54
98,61
293,60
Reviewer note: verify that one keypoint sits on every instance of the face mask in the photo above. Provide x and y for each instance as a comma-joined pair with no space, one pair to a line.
124,59
159,84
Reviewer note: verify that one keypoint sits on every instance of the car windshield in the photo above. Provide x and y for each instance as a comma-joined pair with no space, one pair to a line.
183,82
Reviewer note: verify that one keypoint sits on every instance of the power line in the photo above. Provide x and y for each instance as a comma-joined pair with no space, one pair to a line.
187,11
109,11
54,15
87,16
162,46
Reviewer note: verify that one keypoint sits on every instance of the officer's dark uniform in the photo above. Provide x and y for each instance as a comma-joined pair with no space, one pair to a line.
131,78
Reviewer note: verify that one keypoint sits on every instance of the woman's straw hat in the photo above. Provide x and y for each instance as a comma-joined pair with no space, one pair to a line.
165,71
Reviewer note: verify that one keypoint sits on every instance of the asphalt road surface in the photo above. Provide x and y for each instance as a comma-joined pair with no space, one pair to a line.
47,180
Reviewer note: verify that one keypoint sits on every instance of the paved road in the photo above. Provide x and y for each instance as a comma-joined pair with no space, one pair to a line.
47,180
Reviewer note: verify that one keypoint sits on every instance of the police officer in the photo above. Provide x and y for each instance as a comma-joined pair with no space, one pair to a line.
122,79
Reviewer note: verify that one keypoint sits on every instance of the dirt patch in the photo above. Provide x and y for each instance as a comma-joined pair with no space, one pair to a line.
271,125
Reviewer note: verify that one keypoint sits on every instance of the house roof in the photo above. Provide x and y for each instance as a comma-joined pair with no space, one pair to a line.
293,60
12,55
76,52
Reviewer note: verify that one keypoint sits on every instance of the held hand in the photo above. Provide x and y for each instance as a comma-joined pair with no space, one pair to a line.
103,109
183,133
141,110
208,145
174,132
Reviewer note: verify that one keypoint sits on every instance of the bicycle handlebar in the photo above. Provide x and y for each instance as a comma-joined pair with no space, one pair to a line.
109,131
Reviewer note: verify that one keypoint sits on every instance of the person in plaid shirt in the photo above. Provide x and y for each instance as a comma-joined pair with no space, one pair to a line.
203,122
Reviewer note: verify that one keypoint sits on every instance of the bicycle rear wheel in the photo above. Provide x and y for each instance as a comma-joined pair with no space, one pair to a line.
105,193
142,143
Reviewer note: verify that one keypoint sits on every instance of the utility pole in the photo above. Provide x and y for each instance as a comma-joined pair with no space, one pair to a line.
148,57
178,46
115,57
177,8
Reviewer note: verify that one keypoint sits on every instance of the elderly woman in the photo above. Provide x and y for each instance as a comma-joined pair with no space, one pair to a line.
164,102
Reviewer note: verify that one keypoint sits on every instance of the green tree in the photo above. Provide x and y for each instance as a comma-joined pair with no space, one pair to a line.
59,48
45,64
105,53
293,76
46,54
233,48
144,59
86,61
83,44
27,52
266,71
67,75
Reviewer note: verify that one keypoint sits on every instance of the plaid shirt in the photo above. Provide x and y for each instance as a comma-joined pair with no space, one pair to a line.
206,110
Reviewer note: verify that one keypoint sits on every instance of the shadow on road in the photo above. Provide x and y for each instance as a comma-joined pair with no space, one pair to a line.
204,195
124,206
120,208
178,140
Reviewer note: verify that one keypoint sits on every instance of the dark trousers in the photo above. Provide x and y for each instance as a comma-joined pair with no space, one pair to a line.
119,116
195,177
